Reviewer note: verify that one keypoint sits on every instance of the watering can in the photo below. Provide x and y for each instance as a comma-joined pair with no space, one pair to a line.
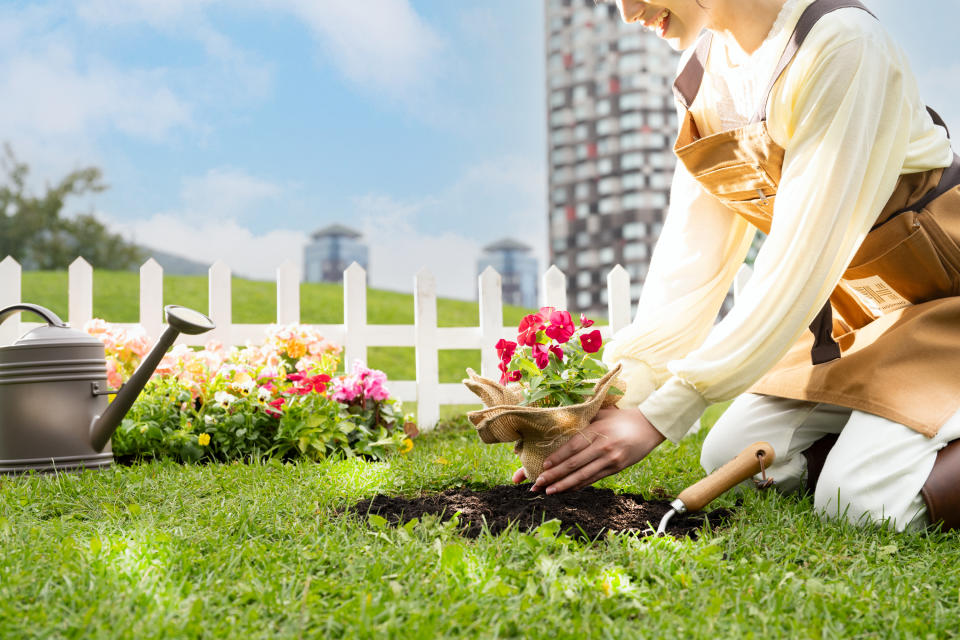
54,413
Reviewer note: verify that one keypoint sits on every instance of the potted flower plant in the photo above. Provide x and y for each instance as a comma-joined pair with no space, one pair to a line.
552,384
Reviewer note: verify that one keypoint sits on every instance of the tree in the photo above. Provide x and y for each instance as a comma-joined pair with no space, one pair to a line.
35,234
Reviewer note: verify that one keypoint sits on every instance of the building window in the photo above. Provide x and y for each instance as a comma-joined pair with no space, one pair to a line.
606,256
635,251
584,279
584,299
633,230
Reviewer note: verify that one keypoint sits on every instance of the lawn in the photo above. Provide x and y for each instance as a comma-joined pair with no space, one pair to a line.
259,550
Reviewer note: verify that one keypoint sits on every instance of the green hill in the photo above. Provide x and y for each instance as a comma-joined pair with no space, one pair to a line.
116,299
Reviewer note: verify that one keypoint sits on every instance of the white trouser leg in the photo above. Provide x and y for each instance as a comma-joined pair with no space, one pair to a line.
790,426
876,470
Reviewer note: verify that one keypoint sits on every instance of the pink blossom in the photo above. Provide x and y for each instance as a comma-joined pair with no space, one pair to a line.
592,341
557,351
585,322
506,349
541,356
561,326
528,329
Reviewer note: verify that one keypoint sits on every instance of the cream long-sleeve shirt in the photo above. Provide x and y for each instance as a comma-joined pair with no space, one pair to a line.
849,116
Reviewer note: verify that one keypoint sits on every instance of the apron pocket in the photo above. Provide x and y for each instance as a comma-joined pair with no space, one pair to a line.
897,265
737,181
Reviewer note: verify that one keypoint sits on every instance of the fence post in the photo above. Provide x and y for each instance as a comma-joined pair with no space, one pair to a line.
151,298
288,293
425,343
555,288
618,298
79,293
10,293
354,315
219,301
491,320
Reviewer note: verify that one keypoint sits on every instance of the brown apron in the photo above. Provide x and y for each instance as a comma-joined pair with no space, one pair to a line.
888,340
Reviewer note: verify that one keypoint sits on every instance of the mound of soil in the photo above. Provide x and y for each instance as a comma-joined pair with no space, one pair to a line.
586,514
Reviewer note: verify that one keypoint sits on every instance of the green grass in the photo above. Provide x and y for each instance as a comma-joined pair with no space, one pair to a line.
116,299
259,551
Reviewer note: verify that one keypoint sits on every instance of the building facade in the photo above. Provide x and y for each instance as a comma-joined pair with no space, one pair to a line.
331,250
610,129
517,268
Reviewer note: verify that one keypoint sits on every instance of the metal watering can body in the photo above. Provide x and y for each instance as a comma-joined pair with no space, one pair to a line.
54,410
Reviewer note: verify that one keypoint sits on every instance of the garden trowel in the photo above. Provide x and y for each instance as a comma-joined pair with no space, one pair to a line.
751,461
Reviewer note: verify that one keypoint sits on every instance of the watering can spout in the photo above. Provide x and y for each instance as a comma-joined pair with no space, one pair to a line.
179,320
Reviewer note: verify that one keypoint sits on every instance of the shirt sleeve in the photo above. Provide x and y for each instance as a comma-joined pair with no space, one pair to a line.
697,255
843,117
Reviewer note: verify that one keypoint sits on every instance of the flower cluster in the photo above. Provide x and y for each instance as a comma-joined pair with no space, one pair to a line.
125,348
552,358
278,398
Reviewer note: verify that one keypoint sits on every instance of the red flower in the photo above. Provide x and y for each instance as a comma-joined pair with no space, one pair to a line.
592,341
295,377
585,322
561,326
557,351
505,349
546,311
276,403
514,376
528,329
541,355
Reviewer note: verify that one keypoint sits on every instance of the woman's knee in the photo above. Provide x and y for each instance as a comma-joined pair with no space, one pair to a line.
725,440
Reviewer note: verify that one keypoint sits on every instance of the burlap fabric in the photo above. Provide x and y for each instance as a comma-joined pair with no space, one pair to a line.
538,431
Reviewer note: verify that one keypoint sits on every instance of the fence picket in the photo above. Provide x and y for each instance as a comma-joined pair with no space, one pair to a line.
618,298
555,288
425,343
288,293
354,315
219,301
151,298
491,320
10,293
79,293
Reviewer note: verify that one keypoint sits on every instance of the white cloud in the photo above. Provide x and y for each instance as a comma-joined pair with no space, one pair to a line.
398,250
227,193
384,46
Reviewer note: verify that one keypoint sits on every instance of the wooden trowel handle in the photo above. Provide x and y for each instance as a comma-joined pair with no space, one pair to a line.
746,464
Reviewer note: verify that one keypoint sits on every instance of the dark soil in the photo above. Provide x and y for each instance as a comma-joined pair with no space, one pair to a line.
586,514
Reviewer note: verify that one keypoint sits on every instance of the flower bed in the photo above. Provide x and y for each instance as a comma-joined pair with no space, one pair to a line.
279,398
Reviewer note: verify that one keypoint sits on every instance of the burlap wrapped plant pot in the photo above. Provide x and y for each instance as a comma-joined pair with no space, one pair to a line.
538,431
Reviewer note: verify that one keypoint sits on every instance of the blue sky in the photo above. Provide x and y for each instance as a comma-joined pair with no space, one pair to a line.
231,129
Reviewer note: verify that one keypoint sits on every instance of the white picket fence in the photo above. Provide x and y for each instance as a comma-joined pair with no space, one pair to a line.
355,334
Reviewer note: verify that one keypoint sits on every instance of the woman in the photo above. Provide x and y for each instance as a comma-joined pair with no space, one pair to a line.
800,118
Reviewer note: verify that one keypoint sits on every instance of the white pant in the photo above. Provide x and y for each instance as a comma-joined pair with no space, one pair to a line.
874,472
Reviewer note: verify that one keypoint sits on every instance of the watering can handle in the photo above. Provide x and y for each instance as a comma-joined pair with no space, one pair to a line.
52,319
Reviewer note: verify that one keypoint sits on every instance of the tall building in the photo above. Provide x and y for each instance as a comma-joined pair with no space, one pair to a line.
331,250
611,125
517,268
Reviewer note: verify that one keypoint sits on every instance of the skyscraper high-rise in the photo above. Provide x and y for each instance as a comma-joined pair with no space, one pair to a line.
611,124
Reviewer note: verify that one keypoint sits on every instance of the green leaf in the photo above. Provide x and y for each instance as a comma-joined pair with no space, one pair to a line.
377,522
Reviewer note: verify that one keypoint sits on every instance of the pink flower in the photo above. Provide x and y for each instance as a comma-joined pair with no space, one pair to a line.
541,356
546,311
585,322
505,349
514,376
557,351
528,329
561,326
592,341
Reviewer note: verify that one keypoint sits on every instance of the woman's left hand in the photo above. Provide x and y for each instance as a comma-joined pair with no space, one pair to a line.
615,439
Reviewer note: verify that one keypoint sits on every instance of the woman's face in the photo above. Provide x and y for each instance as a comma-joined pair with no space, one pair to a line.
679,22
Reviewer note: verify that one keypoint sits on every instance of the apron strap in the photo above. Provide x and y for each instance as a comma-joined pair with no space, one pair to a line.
687,85
808,19
825,348
937,120
949,180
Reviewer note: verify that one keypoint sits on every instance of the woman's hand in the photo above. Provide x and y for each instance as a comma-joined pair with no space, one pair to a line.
615,439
